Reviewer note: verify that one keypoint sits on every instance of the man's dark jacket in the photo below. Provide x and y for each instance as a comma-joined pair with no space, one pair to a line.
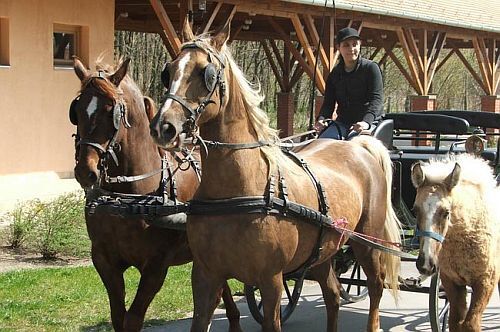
359,93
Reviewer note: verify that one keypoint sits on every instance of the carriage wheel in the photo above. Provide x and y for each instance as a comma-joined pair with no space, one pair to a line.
439,306
350,291
292,288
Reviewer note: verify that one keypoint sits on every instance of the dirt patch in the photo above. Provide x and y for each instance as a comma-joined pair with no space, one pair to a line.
14,259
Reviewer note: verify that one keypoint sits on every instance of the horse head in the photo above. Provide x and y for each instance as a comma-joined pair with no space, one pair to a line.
102,112
432,208
196,88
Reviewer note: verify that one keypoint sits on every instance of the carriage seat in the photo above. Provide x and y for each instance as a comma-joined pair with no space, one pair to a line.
383,131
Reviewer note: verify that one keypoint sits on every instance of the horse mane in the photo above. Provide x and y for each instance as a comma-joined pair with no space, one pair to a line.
250,96
474,170
105,87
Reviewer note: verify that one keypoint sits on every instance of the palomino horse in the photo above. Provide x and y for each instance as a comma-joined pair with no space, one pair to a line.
240,158
112,119
458,221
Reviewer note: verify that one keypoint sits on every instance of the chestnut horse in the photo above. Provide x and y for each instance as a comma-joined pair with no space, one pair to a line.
458,221
112,118
239,157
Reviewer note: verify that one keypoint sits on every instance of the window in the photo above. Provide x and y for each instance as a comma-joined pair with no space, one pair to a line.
65,44
4,42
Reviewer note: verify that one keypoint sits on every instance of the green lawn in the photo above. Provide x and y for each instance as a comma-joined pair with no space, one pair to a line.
74,299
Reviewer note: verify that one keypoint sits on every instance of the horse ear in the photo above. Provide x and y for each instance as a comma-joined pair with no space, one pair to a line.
221,36
452,179
417,175
80,69
120,73
150,107
187,32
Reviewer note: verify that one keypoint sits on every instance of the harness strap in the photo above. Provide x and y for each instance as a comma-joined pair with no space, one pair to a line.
433,235
323,205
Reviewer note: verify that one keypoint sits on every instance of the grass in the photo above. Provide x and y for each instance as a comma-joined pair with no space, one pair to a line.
74,299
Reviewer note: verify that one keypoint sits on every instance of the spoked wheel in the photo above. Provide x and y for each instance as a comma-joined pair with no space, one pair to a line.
292,289
439,306
353,289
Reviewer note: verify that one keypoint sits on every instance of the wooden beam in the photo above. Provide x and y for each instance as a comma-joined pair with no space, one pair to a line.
411,62
296,54
277,55
483,66
229,17
471,70
167,44
308,19
434,60
402,70
279,76
320,81
212,17
297,74
442,62
166,24
375,53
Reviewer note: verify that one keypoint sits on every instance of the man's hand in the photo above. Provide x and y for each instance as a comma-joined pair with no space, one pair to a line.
360,126
320,125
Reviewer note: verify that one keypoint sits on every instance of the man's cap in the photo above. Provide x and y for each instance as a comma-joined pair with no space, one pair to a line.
346,33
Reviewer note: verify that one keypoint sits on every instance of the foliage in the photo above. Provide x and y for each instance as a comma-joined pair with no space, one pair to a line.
20,223
453,84
52,228
71,299
60,227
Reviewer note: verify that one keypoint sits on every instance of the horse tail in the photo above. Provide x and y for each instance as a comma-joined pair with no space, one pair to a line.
392,226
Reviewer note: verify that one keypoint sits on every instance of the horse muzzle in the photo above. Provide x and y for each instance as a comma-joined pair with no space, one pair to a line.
426,264
86,175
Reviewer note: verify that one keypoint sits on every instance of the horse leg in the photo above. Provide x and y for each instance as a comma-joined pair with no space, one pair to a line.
457,295
112,278
152,278
206,296
481,294
369,260
330,288
232,312
270,290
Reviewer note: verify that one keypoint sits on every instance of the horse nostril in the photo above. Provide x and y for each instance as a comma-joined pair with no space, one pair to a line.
168,131
92,177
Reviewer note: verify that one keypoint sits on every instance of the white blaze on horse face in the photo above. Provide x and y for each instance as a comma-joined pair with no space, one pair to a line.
92,106
176,83
429,208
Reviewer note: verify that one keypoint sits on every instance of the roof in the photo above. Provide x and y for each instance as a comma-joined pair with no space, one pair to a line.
477,15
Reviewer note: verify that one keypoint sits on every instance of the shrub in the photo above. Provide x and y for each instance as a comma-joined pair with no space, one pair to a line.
21,221
60,227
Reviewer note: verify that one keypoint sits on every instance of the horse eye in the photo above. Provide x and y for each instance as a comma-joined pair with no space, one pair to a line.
165,76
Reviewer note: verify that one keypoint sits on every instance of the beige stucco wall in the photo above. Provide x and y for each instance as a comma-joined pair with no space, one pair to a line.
35,133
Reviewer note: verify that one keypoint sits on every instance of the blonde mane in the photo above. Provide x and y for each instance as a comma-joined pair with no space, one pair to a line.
474,170
251,98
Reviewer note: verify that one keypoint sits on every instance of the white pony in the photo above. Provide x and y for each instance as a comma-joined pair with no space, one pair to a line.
458,218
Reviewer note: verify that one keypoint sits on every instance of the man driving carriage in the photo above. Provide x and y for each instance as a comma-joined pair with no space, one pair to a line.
355,86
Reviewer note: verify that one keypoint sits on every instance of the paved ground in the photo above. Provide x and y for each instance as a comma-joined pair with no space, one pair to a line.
410,315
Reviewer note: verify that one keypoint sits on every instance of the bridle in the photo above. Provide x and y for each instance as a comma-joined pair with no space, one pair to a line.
214,77
430,234
109,151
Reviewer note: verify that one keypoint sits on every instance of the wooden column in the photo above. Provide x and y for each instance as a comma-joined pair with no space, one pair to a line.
286,110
